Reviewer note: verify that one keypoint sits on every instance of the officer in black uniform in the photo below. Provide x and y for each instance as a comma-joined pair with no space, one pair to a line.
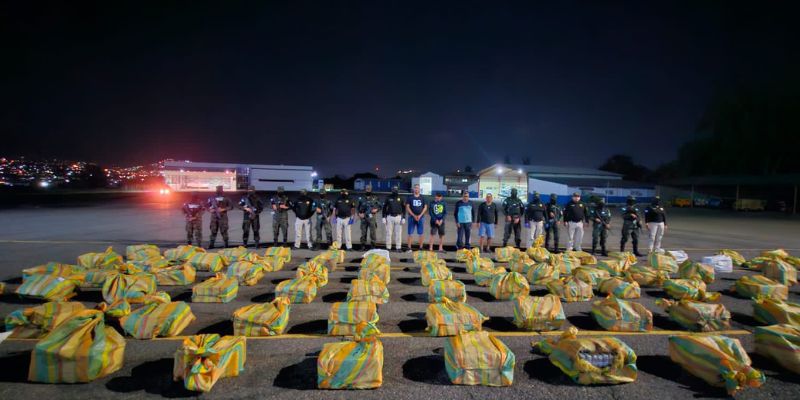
630,225
655,218
512,209
535,215
343,208
601,223
304,209
551,226
393,209
575,215
368,207
252,206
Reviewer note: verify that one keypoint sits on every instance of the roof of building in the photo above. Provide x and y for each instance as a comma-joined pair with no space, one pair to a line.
191,165
535,171
731,180
600,182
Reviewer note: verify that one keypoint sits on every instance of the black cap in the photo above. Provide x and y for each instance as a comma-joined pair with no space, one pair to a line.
576,194
463,192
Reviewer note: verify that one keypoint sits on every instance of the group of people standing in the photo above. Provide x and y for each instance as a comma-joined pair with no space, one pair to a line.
541,219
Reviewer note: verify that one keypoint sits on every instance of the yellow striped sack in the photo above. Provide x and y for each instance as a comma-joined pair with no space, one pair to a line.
691,289
451,318
663,262
131,288
373,290
781,343
118,309
53,269
618,315
504,254
266,319
80,349
217,289
695,270
533,313
647,276
316,270
35,322
345,317
627,256
591,360
734,255
441,289
771,311
565,263
475,264
375,271
463,255
696,315
157,319
571,289
142,252
211,262
265,262
590,275
373,260
484,277
423,256
751,286
203,359
537,252
183,253
431,270
614,267
233,253
175,275
719,360
619,287
584,257
48,287
478,358
509,286
246,272
298,290
356,364
521,263
331,258
278,256
542,274
153,263
779,271
107,259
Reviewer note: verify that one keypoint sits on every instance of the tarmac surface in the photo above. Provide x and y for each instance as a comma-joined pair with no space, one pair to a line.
285,366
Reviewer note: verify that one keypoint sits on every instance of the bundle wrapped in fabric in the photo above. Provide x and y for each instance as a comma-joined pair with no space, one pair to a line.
647,276
265,262
571,289
356,364
157,319
473,265
590,275
373,260
663,261
423,256
247,273
141,252
618,315
175,275
504,254
266,319
154,263
373,290
584,257
537,251
484,277
626,256
463,255
131,288
35,322
772,311
719,360
345,317
752,286
318,271
623,288
118,309
734,255
691,289
105,260
298,290
521,263
509,286
591,360
781,343
534,313
438,290
233,253
431,270
695,270
217,289
332,257
183,253
278,256
614,267
451,318
696,315
780,254
49,287
375,271
79,349
203,359
478,358
53,269
755,263
211,262
779,271
565,263
542,274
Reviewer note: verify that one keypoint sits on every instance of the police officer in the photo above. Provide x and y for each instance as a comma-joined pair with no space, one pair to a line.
324,209
655,219
303,209
575,214
280,216
554,214
193,212
368,206
343,209
601,223
218,206
513,209
393,209
630,225
535,213
252,206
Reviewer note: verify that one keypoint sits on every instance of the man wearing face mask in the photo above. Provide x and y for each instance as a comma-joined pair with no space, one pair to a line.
343,209
218,206
601,223
303,211
655,218
551,224
535,214
252,206
575,214
324,208
512,209
630,225
367,208
280,216
393,209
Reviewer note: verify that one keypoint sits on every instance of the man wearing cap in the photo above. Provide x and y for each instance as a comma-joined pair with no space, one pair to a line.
465,216
343,208
575,214
218,206
601,223
630,225
535,213
280,216
324,209
367,207
416,207
655,218
513,209
437,212
252,206
393,209
193,212
303,209
554,214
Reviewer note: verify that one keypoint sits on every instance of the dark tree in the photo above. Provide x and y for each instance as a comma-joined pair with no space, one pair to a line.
468,168
507,159
526,160
624,165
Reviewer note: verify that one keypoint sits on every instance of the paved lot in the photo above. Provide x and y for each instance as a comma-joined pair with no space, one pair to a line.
414,366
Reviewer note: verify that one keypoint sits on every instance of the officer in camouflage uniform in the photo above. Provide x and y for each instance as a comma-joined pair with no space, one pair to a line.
601,223
513,209
280,216
368,206
630,225
218,206
193,212
252,206
554,214
324,209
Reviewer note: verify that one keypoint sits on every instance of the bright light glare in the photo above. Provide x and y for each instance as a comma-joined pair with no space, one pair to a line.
313,174
499,170
519,171
44,184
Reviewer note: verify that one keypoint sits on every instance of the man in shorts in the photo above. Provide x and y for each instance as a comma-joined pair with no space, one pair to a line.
416,209
487,221
437,211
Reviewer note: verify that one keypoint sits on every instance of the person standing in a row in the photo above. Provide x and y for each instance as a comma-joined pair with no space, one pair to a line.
464,215
487,221
303,209
655,218
280,216
416,207
535,213
601,223
193,213
367,208
554,214
575,214
437,210
343,209
513,209
324,210
218,206
630,225
393,209
252,206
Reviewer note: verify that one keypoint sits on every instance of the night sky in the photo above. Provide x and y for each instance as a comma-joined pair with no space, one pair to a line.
346,86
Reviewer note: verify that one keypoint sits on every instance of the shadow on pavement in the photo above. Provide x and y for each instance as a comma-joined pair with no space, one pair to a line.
334,297
88,296
410,281
154,377
415,297
485,296
426,369
347,279
765,364
300,376
543,370
15,367
744,319
663,322
412,325
500,324
664,368
220,327
263,298
315,326
540,292
584,322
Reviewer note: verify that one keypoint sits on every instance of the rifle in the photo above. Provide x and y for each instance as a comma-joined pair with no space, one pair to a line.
215,208
250,208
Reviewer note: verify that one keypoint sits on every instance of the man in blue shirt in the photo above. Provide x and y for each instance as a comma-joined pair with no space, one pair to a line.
465,215
437,211
416,209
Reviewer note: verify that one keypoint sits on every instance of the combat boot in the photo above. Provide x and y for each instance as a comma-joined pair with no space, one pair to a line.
636,250
594,248
211,244
604,251
226,244
256,244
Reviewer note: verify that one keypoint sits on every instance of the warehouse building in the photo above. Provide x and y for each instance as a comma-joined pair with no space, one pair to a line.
429,183
202,176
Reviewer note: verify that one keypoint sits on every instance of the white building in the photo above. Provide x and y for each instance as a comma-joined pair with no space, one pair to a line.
429,183
202,176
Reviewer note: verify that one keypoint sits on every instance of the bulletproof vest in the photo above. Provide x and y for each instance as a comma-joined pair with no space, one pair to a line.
194,208
555,209
513,206
604,214
252,202
367,204
304,207
343,207
324,205
218,201
536,210
395,205
628,212
277,201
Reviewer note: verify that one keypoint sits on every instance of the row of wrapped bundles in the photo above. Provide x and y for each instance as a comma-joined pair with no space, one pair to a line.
778,270
278,256
584,257
773,311
53,269
157,319
183,253
265,319
753,286
380,271
373,259
318,271
505,254
537,251
696,315
478,263
463,255
217,289
105,260
624,256
509,286
332,257
424,256
211,262
451,318
690,289
203,359
736,258
36,322
614,267
233,253
565,263
571,289
434,270
142,252
49,287
248,273
478,358
353,364
131,288
591,360
781,343
298,290
438,290
534,313
345,317
615,314
175,275
719,360
373,290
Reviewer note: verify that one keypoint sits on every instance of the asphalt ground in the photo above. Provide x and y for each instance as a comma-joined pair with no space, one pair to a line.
285,367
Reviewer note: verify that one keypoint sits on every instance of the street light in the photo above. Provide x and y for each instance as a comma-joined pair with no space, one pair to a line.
314,174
